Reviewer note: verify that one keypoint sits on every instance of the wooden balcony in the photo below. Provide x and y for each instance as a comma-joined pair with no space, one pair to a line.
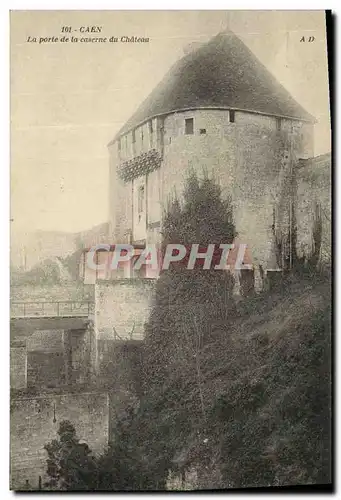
140,165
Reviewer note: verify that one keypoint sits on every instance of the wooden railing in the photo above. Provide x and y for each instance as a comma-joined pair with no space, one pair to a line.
48,309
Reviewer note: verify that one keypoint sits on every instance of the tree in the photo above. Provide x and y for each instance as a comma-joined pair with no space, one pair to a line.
70,465
190,307
188,302
121,467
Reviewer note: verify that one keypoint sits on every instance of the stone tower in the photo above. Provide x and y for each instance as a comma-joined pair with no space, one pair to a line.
220,111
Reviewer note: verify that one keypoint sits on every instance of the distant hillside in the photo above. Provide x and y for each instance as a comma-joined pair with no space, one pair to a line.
49,272
93,236
31,249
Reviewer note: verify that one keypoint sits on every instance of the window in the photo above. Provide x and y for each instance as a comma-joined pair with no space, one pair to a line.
119,145
202,131
189,126
150,130
140,201
278,124
133,136
142,137
232,116
162,134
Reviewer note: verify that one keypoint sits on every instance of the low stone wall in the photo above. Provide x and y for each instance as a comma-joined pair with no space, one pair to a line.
35,421
67,291
122,307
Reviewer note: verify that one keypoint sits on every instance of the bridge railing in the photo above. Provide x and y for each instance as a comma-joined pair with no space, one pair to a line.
51,309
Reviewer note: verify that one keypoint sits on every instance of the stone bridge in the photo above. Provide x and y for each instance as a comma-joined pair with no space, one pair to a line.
79,361
66,343
52,309
50,343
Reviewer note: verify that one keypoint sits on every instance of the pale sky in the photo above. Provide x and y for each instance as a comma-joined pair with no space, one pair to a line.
69,100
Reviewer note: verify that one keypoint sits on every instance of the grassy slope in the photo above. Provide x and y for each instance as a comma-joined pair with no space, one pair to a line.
265,385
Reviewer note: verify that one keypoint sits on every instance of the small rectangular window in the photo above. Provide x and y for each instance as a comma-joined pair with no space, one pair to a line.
162,135
202,131
133,136
189,126
232,116
150,130
140,200
278,124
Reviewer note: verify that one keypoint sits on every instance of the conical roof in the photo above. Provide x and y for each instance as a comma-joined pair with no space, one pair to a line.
223,73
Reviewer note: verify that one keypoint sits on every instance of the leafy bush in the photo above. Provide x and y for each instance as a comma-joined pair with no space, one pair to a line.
70,465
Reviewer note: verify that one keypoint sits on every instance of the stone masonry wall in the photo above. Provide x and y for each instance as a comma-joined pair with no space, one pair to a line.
314,197
122,307
65,292
51,358
18,365
32,426
250,158
120,202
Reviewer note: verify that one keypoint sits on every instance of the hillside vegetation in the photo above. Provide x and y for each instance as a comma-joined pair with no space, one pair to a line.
260,413
236,393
